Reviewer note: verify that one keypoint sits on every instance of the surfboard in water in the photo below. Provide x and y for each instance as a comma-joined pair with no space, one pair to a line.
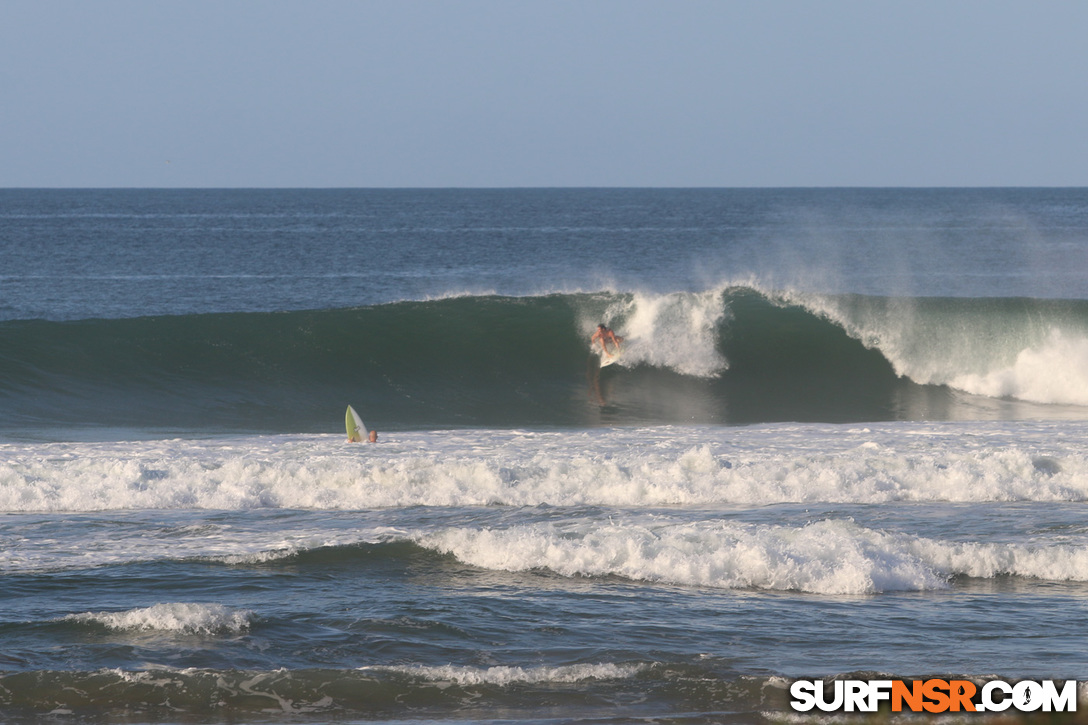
356,430
607,358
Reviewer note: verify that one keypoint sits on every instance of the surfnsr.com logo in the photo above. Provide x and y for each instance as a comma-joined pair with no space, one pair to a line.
933,696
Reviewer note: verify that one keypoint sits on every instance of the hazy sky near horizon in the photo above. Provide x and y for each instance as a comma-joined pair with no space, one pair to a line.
497,93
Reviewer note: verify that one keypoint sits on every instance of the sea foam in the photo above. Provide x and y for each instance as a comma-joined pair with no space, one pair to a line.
188,618
499,675
677,331
1054,371
1034,351
623,467
824,557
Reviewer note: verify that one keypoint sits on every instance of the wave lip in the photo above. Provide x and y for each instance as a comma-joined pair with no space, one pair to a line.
186,618
1054,371
1032,350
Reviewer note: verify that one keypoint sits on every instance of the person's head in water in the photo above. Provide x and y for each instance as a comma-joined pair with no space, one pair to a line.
373,436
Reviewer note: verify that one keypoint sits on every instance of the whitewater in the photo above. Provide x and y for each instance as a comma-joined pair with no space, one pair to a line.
659,466
848,438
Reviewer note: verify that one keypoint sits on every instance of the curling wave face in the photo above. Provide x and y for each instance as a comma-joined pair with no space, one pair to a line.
728,355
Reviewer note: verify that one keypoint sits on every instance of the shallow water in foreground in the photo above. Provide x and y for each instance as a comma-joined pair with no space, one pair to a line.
479,575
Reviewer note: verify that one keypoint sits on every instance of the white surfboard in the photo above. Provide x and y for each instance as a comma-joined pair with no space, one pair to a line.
607,358
357,432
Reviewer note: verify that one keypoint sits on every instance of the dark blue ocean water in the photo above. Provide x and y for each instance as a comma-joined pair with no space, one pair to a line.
74,254
846,436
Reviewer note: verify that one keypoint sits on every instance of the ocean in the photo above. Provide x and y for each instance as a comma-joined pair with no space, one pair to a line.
847,438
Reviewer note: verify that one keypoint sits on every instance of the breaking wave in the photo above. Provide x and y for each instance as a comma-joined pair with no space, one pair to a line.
182,617
728,355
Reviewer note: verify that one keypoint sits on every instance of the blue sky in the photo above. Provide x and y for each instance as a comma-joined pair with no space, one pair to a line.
496,93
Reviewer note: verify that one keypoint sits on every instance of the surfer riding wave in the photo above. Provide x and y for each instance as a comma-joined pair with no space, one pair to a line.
604,334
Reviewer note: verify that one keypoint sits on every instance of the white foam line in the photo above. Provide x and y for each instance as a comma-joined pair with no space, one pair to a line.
190,618
500,675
